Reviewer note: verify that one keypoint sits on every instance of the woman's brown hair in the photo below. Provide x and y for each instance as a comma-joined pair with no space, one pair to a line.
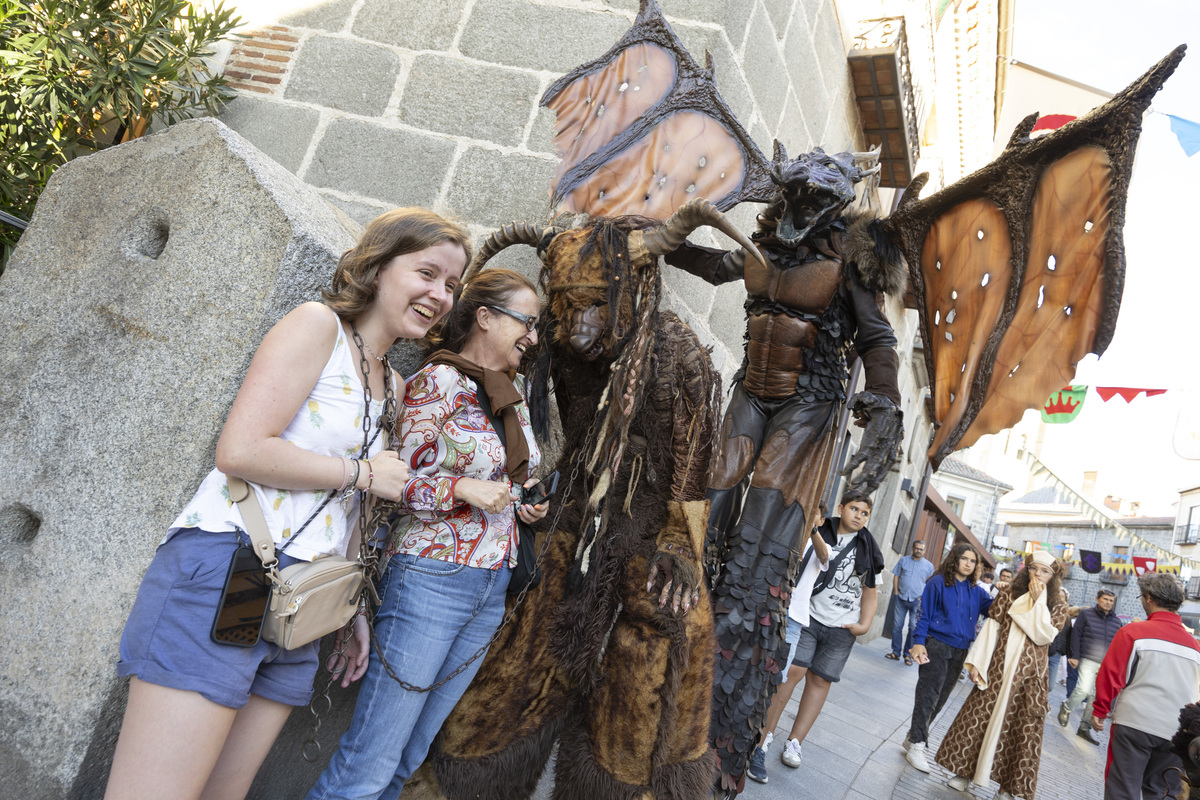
949,567
1054,595
393,233
491,287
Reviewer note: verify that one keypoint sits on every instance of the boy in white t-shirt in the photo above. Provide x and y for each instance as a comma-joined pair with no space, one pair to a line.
842,604
797,619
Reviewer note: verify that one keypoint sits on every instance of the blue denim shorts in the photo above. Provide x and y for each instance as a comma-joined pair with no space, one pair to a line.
166,639
824,650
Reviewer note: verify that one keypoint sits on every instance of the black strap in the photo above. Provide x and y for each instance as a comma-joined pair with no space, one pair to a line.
830,571
321,507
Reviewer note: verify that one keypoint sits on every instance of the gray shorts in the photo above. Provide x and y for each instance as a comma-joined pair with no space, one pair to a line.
823,650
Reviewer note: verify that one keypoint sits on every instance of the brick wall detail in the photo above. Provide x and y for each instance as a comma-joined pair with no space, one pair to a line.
259,62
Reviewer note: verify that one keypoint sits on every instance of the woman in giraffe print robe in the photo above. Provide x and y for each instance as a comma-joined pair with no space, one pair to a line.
998,732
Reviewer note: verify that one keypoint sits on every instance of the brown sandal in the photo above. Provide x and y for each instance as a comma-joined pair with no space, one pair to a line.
892,656
908,662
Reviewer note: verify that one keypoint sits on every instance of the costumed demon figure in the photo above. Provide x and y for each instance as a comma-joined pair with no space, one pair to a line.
611,654
1016,272
818,295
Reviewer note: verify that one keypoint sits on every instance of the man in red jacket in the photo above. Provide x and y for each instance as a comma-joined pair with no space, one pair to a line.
1154,666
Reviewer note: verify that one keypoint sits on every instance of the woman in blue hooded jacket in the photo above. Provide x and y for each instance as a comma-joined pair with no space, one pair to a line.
946,621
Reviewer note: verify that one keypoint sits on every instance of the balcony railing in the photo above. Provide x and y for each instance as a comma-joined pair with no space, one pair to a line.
1187,534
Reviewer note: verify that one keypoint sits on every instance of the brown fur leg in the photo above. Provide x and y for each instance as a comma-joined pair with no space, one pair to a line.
496,741
511,774
577,776
646,725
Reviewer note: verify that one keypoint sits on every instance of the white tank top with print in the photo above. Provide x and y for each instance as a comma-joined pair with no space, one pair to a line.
328,423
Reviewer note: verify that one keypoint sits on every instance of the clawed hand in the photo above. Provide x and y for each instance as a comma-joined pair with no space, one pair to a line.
683,595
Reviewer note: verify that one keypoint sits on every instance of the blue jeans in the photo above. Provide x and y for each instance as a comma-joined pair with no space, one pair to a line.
1052,667
903,608
434,616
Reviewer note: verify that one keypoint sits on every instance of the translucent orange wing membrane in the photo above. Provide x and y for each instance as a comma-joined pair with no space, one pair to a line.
1018,269
687,155
970,250
1062,298
595,108
642,130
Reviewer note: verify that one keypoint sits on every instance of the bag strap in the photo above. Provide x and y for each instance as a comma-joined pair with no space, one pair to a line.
256,524
830,572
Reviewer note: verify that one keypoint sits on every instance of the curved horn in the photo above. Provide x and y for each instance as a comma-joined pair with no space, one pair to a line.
672,233
513,233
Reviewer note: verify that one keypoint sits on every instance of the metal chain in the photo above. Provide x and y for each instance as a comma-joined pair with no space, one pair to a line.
368,556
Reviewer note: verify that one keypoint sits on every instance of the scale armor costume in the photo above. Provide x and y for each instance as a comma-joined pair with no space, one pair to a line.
805,310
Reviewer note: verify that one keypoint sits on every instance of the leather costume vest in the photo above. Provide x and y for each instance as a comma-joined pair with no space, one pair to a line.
797,327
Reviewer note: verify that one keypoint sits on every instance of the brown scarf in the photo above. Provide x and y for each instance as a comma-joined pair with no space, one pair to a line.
504,398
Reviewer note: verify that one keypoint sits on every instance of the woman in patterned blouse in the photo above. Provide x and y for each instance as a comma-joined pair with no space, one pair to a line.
455,541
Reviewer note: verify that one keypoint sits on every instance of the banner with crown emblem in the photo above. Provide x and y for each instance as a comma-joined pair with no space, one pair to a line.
1063,405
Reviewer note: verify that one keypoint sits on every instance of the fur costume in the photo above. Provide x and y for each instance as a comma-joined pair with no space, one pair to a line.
1002,723
591,658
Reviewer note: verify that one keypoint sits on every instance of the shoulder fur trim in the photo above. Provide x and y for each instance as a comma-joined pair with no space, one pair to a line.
875,257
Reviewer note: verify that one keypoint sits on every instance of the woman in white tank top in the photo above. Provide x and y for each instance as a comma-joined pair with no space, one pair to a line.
202,716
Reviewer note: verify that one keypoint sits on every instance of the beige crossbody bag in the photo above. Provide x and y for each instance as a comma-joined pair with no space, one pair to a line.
309,599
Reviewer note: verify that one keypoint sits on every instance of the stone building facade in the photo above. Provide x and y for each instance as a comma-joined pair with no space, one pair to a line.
1066,538
382,104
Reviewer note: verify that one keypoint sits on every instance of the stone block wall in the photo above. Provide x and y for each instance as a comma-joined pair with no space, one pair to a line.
1087,536
380,103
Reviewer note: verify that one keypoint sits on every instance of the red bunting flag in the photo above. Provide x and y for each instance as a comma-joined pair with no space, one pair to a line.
1127,393
1143,565
1052,122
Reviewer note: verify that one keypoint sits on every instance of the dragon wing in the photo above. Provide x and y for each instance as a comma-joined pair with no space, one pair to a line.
643,130
1018,269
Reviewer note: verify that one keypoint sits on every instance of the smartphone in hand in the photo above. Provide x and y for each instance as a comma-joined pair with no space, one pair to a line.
541,491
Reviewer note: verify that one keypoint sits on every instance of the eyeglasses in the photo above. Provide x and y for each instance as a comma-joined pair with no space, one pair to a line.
528,320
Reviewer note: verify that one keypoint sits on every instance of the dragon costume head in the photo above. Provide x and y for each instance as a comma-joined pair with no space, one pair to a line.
814,190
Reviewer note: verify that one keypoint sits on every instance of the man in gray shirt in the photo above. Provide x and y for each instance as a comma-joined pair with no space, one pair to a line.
908,581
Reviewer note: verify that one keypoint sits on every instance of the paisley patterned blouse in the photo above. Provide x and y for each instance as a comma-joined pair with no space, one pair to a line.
444,436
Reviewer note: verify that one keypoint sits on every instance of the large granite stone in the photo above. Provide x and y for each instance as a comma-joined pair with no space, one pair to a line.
765,70
493,188
280,131
128,315
326,15
417,26
522,34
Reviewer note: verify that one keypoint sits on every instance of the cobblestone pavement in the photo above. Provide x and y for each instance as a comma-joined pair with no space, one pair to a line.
853,751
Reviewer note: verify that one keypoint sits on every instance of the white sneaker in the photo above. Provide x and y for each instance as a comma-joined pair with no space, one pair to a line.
791,753
1003,795
916,756
906,743
959,783
766,745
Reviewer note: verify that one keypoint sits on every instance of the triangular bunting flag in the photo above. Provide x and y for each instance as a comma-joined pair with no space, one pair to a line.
1127,393
1188,134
